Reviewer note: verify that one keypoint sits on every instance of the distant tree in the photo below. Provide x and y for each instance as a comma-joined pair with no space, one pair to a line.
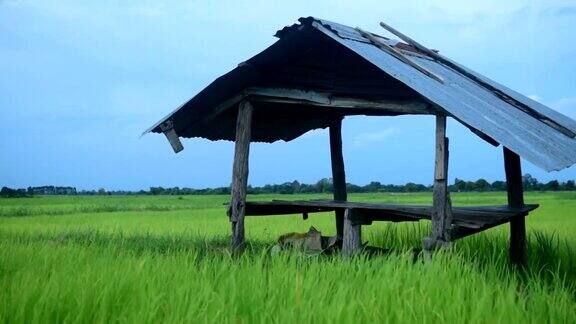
295,186
460,185
373,186
13,193
102,191
552,186
324,185
414,187
498,186
353,188
529,182
481,185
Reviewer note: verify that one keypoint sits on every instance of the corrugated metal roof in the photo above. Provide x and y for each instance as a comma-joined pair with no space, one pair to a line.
471,103
461,97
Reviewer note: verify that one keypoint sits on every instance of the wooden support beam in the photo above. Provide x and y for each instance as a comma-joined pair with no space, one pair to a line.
338,173
240,174
441,205
312,96
513,169
352,240
327,99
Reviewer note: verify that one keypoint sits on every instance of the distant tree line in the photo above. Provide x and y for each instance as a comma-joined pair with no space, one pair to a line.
35,191
322,186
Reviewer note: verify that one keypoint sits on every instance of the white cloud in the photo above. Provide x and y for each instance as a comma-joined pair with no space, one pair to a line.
567,106
365,139
535,97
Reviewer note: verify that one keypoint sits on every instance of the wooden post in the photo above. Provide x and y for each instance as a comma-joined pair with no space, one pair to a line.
240,174
441,205
352,240
513,169
338,173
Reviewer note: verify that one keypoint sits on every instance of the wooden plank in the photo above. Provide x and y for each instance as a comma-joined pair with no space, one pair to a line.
168,129
338,173
400,106
397,54
266,210
441,207
222,107
327,99
423,209
459,232
240,174
225,105
466,220
307,95
455,66
352,240
513,169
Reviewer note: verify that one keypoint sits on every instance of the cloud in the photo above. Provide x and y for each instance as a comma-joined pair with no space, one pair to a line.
559,12
535,97
78,9
367,138
567,106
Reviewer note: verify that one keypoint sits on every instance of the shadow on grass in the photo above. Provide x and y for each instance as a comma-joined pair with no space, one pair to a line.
551,260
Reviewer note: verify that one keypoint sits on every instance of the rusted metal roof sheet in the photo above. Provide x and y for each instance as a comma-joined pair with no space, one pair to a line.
471,103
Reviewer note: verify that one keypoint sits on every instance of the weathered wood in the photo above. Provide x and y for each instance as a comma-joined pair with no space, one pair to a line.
312,96
240,174
222,107
459,232
338,172
444,60
468,216
441,162
399,106
352,240
513,169
225,105
442,206
327,99
394,52
168,129
466,220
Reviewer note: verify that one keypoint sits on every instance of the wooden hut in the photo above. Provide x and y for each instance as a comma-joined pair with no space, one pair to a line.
318,72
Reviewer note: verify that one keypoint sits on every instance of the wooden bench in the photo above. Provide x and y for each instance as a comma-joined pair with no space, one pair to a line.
467,220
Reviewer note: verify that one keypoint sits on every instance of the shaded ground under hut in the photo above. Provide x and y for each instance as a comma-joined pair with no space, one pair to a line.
318,72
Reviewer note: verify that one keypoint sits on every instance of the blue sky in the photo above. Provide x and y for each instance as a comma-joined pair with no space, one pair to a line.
80,81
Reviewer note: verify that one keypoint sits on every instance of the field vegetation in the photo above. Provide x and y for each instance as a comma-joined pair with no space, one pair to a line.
150,259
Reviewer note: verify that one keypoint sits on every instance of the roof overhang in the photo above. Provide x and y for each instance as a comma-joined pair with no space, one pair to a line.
492,111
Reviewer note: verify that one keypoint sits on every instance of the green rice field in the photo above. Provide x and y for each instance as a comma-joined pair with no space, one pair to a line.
164,259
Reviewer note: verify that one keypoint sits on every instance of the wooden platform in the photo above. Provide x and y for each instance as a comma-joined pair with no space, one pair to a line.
467,220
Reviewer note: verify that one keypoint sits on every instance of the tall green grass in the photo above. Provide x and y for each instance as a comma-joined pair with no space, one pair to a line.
149,266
